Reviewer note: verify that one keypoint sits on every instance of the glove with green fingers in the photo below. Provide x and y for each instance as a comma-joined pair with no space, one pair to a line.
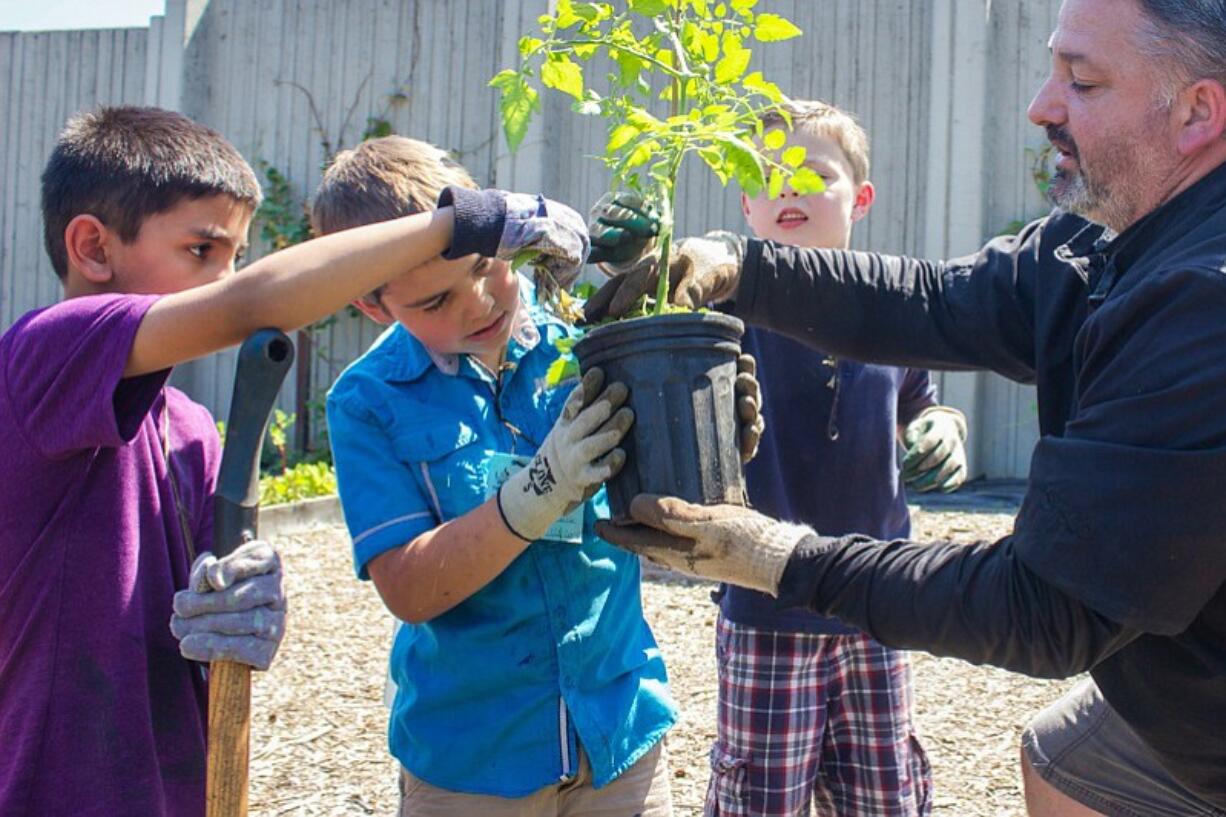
935,459
622,230
578,454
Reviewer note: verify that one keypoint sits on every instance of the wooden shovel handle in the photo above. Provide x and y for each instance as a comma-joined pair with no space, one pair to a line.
229,733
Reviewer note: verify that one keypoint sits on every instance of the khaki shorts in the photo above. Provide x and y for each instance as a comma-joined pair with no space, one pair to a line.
1083,748
641,790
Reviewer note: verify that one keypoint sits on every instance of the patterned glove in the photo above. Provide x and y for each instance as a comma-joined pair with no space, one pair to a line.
622,229
748,395
703,271
725,543
233,608
936,451
509,226
578,454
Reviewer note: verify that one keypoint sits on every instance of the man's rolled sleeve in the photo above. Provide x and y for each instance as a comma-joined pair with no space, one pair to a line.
383,502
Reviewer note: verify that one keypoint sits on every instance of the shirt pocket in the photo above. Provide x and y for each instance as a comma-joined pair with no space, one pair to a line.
448,462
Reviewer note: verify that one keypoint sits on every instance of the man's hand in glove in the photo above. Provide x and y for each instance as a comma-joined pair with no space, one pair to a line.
748,394
724,543
703,270
577,456
233,608
935,459
498,224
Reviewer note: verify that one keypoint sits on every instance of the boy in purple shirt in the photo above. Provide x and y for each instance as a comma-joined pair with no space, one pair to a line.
105,509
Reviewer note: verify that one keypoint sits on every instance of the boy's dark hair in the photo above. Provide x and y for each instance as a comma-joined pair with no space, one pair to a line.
124,164
382,179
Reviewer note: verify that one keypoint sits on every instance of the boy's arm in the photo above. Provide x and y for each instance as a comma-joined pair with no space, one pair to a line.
286,289
301,284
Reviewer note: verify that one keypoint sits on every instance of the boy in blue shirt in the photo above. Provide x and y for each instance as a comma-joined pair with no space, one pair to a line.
528,681
812,711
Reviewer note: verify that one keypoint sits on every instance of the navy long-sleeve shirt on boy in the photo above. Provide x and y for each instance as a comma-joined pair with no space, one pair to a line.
829,458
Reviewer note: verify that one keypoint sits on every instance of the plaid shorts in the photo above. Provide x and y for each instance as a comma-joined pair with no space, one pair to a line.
821,719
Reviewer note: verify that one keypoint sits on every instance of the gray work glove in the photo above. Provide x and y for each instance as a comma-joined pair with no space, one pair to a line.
703,271
622,230
935,459
517,226
577,456
748,395
724,543
233,608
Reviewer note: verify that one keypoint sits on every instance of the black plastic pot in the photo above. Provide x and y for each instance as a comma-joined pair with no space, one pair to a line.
680,369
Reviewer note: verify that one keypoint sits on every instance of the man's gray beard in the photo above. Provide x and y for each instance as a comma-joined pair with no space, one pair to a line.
1096,203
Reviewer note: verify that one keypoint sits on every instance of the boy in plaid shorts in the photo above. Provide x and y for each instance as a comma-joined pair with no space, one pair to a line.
810,710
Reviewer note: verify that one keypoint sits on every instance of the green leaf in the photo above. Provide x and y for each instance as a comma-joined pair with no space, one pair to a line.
794,156
649,8
774,139
733,65
721,10
628,68
561,370
770,28
641,154
643,120
805,181
586,51
621,136
747,168
529,44
563,75
770,90
776,184
566,15
519,100
743,7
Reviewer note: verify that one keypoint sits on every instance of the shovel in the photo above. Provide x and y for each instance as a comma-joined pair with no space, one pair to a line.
263,361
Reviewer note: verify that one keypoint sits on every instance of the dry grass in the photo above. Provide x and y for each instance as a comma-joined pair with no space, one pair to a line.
319,746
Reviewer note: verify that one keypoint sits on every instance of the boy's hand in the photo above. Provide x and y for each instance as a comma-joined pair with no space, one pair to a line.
622,230
577,456
504,225
233,608
725,543
936,453
703,271
748,395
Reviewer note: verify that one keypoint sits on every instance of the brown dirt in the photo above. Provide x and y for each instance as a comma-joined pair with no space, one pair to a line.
318,733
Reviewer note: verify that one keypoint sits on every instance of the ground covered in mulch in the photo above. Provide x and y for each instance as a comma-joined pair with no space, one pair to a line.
318,733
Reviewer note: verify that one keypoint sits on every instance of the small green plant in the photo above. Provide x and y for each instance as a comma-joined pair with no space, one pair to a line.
306,480
690,55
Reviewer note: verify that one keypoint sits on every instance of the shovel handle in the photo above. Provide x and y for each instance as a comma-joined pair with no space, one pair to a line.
263,361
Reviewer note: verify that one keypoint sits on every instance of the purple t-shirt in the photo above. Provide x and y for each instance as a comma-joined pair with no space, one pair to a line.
99,714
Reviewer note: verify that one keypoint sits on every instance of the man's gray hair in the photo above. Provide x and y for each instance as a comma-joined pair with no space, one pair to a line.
1187,38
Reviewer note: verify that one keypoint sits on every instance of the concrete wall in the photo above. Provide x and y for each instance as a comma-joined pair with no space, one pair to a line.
940,85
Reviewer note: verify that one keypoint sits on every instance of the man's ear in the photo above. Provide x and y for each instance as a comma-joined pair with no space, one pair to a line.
86,239
865,196
378,314
1201,112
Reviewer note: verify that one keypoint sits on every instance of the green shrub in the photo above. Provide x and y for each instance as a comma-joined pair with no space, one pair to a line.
305,480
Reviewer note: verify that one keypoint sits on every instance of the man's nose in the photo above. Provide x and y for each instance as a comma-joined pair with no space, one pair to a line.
1046,108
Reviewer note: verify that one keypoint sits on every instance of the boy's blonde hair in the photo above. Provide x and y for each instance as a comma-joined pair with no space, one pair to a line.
818,118
382,179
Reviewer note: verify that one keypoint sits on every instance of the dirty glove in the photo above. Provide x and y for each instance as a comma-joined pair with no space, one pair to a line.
703,271
748,395
936,454
498,224
622,230
725,543
233,608
578,455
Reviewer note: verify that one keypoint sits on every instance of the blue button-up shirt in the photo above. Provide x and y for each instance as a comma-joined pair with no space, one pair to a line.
493,694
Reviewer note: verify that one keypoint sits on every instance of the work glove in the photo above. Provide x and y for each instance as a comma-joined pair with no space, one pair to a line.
233,608
935,459
577,456
622,230
515,226
724,543
748,395
703,271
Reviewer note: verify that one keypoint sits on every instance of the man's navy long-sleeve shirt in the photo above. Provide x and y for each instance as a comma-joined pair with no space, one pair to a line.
1117,561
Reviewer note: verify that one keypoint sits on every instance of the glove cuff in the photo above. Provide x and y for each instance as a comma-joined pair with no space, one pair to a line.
773,546
526,513
480,216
